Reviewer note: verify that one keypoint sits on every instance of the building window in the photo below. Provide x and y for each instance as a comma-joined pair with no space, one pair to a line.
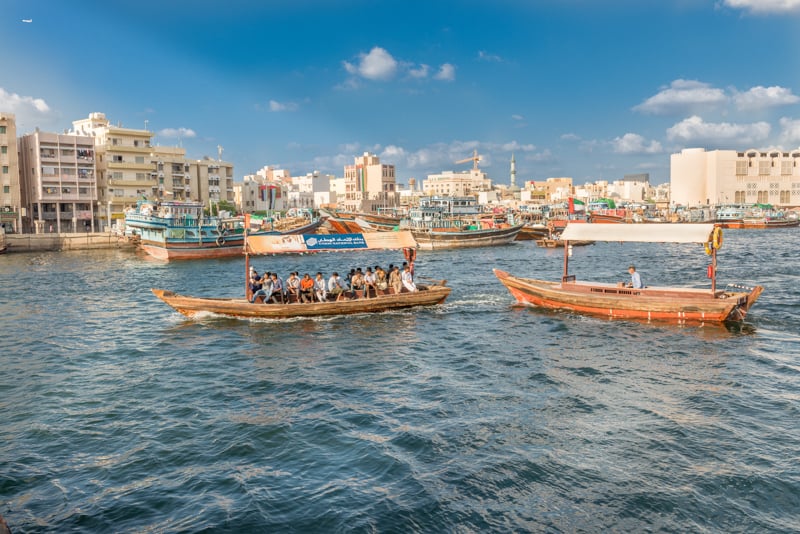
139,159
2,129
116,158
5,169
764,168
786,167
741,168
6,189
3,149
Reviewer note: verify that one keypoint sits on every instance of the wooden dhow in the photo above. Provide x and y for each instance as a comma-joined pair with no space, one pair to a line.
378,301
649,303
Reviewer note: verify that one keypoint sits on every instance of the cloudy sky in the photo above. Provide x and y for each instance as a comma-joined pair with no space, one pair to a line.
591,89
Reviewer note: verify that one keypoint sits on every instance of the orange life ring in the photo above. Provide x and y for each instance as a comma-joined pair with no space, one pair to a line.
716,238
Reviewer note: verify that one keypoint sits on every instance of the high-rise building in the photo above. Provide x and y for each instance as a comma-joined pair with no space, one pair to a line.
369,185
58,177
11,196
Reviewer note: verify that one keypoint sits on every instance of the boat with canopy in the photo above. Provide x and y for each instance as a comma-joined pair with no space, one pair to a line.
681,304
378,301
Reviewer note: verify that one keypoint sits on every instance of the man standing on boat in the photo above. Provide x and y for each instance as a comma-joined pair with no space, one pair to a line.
636,279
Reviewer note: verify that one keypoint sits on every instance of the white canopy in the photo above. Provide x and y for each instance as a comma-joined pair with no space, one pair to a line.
644,232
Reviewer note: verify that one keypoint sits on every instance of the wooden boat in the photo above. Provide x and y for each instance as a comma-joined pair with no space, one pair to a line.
649,303
3,244
764,217
386,221
176,230
428,295
241,307
442,238
456,222
550,242
533,231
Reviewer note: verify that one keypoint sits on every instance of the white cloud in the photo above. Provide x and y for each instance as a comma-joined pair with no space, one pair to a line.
447,72
761,97
570,137
518,117
274,105
683,96
486,56
790,131
378,64
696,131
177,132
27,110
632,143
765,6
419,72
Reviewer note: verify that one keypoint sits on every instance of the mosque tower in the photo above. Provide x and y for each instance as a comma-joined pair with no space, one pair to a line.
513,171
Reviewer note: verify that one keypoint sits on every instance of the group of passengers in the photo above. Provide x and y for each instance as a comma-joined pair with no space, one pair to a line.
356,284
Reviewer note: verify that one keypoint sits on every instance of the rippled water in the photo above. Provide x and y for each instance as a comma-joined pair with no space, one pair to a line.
118,414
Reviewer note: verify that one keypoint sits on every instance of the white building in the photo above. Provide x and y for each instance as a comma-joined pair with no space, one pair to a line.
12,207
698,177
457,184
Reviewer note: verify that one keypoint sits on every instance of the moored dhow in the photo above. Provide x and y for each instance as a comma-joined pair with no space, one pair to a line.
178,230
675,304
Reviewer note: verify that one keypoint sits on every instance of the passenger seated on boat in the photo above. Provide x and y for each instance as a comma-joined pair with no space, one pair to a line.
320,288
306,288
370,281
276,293
293,287
381,279
256,286
357,282
636,279
395,282
336,286
408,280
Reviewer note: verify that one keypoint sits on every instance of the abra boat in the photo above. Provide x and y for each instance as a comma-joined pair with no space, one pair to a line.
765,216
175,230
384,300
456,222
649,303
428,295
3,244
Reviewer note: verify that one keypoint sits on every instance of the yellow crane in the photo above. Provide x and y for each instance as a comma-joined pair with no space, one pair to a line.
474,159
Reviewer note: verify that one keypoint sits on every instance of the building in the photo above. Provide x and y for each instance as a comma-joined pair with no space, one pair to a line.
698,177
255,194
369,185
58,175
457,184
11,195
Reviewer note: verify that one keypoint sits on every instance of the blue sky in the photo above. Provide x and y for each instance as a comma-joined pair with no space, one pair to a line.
589,89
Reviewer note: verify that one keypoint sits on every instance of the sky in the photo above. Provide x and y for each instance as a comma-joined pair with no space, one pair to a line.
587,89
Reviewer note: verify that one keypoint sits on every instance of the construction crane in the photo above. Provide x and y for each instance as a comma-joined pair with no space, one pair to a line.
474,159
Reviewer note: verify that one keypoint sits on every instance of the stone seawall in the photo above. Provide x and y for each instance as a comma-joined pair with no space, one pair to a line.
58,242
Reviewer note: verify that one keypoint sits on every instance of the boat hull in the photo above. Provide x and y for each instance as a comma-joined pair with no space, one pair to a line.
242,308
447,239
607,300
209,246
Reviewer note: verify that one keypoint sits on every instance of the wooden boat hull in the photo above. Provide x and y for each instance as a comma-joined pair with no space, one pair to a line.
447,239
242,308
211,247
531,232
607,300
555,243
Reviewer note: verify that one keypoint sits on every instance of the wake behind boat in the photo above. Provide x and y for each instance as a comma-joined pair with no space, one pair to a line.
649,303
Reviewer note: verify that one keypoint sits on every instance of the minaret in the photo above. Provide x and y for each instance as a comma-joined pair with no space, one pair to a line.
513,172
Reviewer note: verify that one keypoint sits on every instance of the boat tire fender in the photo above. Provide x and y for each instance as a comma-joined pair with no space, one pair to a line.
716,238
220,241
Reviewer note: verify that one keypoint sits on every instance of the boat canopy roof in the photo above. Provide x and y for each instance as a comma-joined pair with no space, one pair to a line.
300,243
643,233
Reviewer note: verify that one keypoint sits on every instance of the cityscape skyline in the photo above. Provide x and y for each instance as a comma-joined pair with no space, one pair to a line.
576,89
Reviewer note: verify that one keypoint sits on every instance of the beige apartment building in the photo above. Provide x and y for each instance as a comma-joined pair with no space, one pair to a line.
369,185
11,197
130,167
58,176
716,177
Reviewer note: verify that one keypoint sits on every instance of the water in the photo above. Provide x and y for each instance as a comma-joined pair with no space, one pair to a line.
118,414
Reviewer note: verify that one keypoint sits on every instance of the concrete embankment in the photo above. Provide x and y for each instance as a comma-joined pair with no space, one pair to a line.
76,241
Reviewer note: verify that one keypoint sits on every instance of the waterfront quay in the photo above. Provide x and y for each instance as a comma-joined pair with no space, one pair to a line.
67,241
